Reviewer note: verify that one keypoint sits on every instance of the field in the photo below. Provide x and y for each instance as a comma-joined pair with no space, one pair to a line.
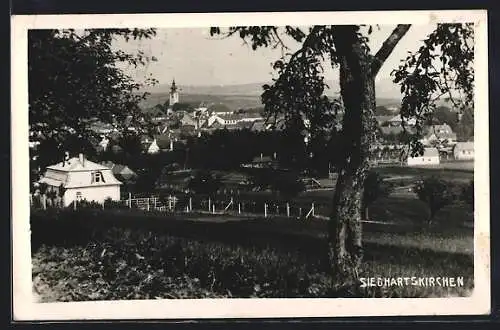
131,255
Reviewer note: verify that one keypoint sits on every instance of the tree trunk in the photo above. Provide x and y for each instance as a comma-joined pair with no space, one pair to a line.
358,94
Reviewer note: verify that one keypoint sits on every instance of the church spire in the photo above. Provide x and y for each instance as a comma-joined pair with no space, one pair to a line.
173,88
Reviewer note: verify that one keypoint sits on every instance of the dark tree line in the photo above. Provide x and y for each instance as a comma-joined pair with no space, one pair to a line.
74,78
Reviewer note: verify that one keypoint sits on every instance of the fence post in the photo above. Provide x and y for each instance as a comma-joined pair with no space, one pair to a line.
265,210
170,202
190,204
74,205
312,210
213,208
239,208
148,204
129,200
44,201
209,205
31,199
300,212
277,210
287,209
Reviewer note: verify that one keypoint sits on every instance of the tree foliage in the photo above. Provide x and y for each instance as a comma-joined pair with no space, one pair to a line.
74,77
436,193
442,67
205,182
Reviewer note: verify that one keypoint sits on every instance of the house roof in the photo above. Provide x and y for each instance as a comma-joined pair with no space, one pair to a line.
464,146
391,130
188,120
444,128
55,175
383,119
441,131
74,165
430,152
118,168
263,159
398,119
258,126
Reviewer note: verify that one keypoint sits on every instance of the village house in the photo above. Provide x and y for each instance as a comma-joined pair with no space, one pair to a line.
82,179
429,157
439,134
163,142
398,121
188,120
263,162
463,151
121,172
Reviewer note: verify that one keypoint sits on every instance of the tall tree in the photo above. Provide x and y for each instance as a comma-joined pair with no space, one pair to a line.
374,188
75,77
441,66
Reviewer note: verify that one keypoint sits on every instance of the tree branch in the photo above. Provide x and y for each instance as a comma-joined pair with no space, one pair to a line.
388,46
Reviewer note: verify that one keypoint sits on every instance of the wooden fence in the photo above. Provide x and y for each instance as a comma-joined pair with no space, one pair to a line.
233,206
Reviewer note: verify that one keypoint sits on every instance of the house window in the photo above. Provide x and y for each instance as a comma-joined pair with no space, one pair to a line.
97,177
78,195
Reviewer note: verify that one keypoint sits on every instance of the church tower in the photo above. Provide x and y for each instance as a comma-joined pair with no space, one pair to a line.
174,94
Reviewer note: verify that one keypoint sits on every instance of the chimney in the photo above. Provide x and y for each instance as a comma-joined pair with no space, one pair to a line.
82,159
66,158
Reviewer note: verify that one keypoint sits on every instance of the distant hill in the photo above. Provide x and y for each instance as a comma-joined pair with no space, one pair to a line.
248,95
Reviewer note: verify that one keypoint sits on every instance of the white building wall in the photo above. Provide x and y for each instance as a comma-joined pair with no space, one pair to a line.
419,161
97,194
464,154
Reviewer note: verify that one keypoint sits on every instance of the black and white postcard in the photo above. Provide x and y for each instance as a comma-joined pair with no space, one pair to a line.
250,165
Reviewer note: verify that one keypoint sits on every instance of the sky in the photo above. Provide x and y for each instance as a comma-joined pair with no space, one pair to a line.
193,57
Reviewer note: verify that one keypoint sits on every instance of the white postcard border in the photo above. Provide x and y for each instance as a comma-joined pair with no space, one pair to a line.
26,309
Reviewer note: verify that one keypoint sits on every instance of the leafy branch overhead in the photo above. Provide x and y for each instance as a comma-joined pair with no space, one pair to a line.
442,67
75,76
297,97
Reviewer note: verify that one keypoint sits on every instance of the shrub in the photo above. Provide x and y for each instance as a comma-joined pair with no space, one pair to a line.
205,182
112,204
436,193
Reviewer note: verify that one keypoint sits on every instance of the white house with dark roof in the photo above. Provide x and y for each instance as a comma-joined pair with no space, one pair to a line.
429,157
82,180
463,151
